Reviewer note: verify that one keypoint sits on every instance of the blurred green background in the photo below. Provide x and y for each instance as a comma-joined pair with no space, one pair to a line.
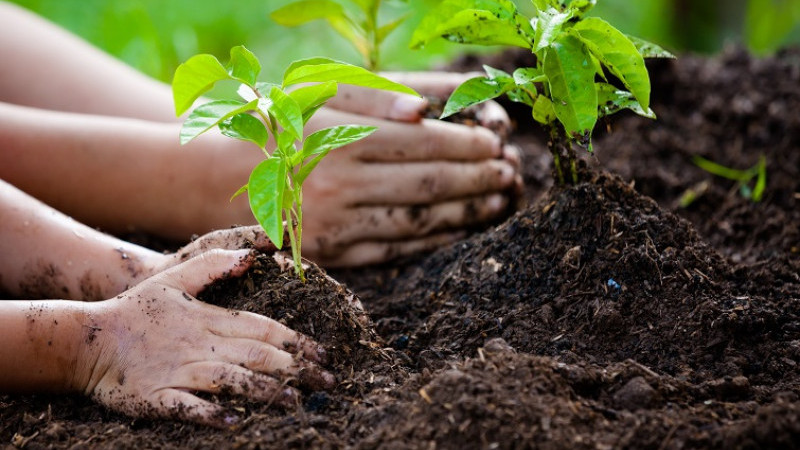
156,35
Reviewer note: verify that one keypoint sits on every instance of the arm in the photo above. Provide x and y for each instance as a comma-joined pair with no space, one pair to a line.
48,67
143,350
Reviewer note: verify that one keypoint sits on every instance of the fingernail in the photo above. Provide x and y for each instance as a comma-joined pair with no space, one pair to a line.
507,174
496,203
407,107
328,379
288,397
322,355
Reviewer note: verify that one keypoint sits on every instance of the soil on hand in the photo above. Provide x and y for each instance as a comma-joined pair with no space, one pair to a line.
604,315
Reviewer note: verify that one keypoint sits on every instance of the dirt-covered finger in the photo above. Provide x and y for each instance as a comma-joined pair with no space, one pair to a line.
265,358
230,239
221,378
396,222
432,182
247,325
373,252
196,273
378,103
494,117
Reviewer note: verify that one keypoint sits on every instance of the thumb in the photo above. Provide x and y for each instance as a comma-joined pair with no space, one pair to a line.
193,275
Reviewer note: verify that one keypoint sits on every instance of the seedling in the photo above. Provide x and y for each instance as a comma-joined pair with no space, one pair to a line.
267,110
359,24
576,59
744,178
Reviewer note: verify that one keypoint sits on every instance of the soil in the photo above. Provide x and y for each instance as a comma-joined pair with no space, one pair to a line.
604,315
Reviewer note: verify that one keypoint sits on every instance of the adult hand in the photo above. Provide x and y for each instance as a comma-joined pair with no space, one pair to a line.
151,347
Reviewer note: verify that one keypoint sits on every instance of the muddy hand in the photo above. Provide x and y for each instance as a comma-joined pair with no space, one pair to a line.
149,348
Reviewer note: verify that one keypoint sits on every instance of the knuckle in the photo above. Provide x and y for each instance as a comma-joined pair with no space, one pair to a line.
260,357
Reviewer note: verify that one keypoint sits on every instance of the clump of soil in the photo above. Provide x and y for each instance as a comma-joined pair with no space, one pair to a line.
602,316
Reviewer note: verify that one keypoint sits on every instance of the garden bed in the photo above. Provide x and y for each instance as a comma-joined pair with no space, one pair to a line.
603,315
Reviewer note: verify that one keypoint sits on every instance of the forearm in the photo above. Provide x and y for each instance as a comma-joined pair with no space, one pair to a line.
47,67
121,174
43,342
45,254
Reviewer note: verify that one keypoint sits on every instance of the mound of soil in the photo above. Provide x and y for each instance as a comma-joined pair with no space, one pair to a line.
603,315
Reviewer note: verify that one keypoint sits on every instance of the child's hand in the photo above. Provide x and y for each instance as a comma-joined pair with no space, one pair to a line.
153,346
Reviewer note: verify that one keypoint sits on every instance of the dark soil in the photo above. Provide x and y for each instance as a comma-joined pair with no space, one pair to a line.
601,316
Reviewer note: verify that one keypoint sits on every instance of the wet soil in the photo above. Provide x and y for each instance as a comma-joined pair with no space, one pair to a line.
604,315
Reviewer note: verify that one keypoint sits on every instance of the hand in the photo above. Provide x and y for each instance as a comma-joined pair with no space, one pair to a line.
413,185
149,348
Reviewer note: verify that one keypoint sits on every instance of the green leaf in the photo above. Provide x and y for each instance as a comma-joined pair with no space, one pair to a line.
304,11
247,128
579,8
194,78
318,144
571,80
543,5
286,148
525,96
548,27
331,138
387,29
618,53
287,112
761,181
496,74
527,75
244,65
611,100
474,91
543,111
310,98
209,115
722,171
241,191
484,22
648,49
265,193
322,70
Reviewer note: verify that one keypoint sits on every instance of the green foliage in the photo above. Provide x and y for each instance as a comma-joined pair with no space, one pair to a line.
744,178
275,185
769,22
358,25
568,89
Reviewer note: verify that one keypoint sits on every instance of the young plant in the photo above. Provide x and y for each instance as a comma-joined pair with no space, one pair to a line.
267,110
359,24
577,57
743,177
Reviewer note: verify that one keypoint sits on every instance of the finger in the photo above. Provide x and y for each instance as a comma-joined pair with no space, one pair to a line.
425,141
230,239
365,253
512,154
494,117
247,325
193,275
216,378
379,103
423,183
434,140
181,405
264,358
439,84
387,223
